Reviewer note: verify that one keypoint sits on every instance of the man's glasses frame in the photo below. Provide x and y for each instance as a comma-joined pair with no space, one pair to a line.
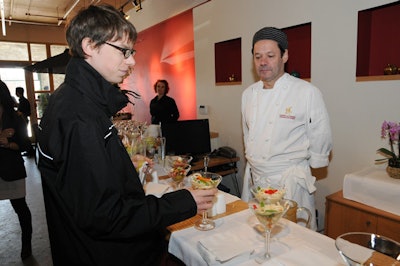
126,52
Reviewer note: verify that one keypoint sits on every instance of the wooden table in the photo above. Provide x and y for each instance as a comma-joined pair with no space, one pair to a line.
231,208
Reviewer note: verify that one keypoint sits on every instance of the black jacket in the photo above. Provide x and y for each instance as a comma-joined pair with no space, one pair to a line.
11,162
97,211
163,110
25,108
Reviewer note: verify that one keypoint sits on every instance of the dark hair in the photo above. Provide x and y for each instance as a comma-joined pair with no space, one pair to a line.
279,46
19,89
165,83
100,23
6,101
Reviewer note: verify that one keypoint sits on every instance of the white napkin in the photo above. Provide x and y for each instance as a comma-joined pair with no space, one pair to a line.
222,247
155,189
302,256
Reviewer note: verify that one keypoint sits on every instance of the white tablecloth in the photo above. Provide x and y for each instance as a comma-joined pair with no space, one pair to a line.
373,186
291,244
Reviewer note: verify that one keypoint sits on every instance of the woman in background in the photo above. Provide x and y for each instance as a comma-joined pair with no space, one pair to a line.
162,107
13,140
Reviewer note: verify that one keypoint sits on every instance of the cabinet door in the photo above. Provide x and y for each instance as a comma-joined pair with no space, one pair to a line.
342,219
388,228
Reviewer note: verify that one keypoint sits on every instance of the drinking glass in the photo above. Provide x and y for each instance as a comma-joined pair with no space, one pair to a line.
150,146
205,180
268,214
163,142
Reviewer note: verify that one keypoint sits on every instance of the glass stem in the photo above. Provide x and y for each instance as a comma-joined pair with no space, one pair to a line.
204,216
267,240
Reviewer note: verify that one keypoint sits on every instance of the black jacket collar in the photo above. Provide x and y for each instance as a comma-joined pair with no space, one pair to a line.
83,77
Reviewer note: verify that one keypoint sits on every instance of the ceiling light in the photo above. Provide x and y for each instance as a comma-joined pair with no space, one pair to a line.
121,10
137,4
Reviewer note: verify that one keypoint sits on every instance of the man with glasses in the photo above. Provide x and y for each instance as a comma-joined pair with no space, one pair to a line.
96,208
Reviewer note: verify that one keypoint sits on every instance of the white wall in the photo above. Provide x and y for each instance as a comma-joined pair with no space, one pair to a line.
357,109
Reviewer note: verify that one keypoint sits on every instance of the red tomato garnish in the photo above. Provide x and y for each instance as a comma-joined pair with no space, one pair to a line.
270,191
254,206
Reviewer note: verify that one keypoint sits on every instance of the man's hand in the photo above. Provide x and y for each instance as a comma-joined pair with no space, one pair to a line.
203,198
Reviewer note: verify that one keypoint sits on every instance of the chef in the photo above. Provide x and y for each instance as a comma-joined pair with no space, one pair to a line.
285,125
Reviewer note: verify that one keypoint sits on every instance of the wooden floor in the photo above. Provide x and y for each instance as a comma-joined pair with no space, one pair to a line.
10,232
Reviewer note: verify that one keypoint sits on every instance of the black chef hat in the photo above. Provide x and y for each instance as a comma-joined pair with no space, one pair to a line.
271,33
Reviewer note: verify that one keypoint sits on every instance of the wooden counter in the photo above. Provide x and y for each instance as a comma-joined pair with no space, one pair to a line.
343,216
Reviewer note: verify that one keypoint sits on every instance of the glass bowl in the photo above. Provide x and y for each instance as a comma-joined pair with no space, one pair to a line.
268,193
360,248
205,180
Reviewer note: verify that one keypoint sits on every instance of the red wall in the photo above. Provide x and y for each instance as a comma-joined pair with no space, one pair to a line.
165,51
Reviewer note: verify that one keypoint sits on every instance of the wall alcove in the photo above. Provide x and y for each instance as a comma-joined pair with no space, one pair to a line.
299,39
378,42
228,62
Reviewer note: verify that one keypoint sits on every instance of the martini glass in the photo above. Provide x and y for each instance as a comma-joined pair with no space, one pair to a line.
268,214
178,173
205,180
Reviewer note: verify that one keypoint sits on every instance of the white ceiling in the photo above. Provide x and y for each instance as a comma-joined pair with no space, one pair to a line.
52,12
55,12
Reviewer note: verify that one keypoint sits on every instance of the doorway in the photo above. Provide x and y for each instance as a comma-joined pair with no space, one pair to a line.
15,77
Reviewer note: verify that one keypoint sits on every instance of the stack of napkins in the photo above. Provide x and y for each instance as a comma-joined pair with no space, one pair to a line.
223,247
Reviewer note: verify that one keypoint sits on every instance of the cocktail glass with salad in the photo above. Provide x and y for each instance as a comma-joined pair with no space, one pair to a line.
205,180
268,214
178,172
268,193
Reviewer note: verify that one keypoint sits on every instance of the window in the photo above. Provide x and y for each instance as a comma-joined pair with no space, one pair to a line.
14,51
38,52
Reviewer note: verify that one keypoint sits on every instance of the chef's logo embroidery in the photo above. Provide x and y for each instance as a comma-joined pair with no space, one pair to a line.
288,113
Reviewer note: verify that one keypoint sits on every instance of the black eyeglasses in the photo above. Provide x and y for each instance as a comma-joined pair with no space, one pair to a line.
126,52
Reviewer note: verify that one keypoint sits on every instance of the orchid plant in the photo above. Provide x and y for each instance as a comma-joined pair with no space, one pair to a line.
391,131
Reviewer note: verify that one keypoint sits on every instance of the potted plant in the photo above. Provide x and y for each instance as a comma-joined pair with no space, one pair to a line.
391,130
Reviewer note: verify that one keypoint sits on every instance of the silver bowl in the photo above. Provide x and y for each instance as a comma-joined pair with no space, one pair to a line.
357,247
